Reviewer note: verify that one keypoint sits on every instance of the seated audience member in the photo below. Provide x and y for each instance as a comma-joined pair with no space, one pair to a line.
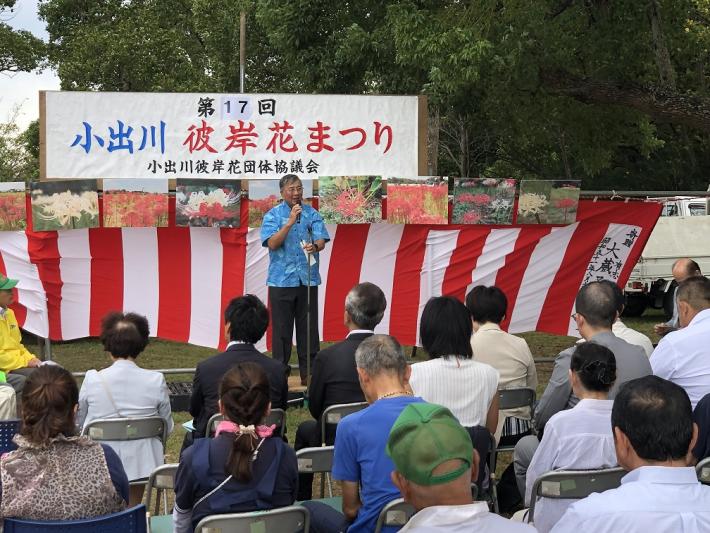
246,467
579,438
683,356
334,380
245,321
125,390
682,269
701,418
653,434
595,313
54,474
508,354
434,464
15,360
451,377
620,329
360,463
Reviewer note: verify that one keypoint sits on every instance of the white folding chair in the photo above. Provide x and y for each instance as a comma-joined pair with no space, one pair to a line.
276,417
317,461
162,480
292,519
395,514
573,484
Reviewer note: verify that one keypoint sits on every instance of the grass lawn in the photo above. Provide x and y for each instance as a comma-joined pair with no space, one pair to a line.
85,354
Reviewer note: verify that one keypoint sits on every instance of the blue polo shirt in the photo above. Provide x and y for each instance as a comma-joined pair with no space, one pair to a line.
288,266
360,456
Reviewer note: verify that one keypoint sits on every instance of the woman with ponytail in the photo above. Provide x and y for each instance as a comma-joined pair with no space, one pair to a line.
245,467
54,474
579,438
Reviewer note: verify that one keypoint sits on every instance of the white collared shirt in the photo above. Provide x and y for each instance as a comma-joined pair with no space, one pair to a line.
459,518
650,499
683,357
235,343
356,331
575,439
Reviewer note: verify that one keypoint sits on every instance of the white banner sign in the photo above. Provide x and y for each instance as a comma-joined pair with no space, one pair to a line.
171,135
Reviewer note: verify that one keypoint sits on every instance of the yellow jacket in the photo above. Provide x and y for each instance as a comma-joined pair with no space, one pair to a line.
13,354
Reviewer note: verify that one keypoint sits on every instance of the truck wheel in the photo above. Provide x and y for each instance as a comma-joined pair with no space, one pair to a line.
635,304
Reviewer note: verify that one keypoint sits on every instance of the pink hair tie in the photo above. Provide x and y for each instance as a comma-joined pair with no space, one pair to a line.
225,426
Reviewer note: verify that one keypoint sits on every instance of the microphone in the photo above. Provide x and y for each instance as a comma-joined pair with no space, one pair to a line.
298,216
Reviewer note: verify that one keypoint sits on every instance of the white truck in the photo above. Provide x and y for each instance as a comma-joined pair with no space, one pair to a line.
683,230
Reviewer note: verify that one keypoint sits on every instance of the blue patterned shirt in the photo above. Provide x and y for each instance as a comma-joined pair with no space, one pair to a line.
288,266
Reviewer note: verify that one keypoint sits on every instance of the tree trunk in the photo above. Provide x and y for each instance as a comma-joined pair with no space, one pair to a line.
433,142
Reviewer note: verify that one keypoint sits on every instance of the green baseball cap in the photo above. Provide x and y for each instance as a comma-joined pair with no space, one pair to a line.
425,436
6,283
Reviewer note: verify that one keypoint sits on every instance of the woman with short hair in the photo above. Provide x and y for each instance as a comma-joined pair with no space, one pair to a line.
55,474
125,390
451,377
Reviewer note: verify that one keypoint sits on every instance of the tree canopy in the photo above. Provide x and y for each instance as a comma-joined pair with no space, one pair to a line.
613,92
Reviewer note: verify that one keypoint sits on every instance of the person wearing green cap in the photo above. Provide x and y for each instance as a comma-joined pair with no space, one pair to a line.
15,360
434,464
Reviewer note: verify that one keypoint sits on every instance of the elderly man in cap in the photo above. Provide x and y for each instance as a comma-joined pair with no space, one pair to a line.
15,360
434,464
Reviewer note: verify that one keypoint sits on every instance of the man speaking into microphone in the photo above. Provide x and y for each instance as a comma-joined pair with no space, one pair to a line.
294,234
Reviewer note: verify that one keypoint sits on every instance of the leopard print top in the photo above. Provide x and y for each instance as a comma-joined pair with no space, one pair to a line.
67,479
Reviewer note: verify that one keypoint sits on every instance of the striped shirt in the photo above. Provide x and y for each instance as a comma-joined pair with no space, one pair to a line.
466,387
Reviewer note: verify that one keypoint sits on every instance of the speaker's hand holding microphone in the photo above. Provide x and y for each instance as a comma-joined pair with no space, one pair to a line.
295,216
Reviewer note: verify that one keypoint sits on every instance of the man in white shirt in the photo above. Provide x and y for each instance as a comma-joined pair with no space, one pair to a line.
653,435
434,464
683,356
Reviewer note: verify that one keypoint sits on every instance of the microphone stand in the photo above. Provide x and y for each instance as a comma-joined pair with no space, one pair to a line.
308,319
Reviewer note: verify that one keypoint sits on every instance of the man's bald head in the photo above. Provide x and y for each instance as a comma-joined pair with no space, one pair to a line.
685,268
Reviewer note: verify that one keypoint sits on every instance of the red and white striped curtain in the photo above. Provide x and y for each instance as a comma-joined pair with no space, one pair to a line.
182,278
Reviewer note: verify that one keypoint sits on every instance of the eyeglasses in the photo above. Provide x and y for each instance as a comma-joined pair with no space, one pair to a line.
294,189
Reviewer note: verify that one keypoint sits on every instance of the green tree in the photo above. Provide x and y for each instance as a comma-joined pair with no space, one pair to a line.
17,160
19,49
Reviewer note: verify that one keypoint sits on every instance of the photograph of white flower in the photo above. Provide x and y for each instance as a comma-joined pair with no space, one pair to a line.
66,204
208,203
548,201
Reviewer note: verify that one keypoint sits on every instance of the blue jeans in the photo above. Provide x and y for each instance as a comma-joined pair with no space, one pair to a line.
325,519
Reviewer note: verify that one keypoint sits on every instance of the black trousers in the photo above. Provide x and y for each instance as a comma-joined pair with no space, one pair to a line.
288,305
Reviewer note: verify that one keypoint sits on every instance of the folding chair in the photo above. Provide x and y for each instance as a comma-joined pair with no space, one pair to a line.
573,484
702,469
162,479
335,413
276,417
8,430
290,519
395,514
317,461
122,429
128,521
514,399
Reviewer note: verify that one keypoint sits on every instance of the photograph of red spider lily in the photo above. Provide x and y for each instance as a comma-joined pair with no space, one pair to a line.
208,203
13,215
135,203
265,194
483,201
423,200
350,199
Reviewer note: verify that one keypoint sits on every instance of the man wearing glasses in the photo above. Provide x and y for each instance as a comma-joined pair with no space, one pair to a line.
295,234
